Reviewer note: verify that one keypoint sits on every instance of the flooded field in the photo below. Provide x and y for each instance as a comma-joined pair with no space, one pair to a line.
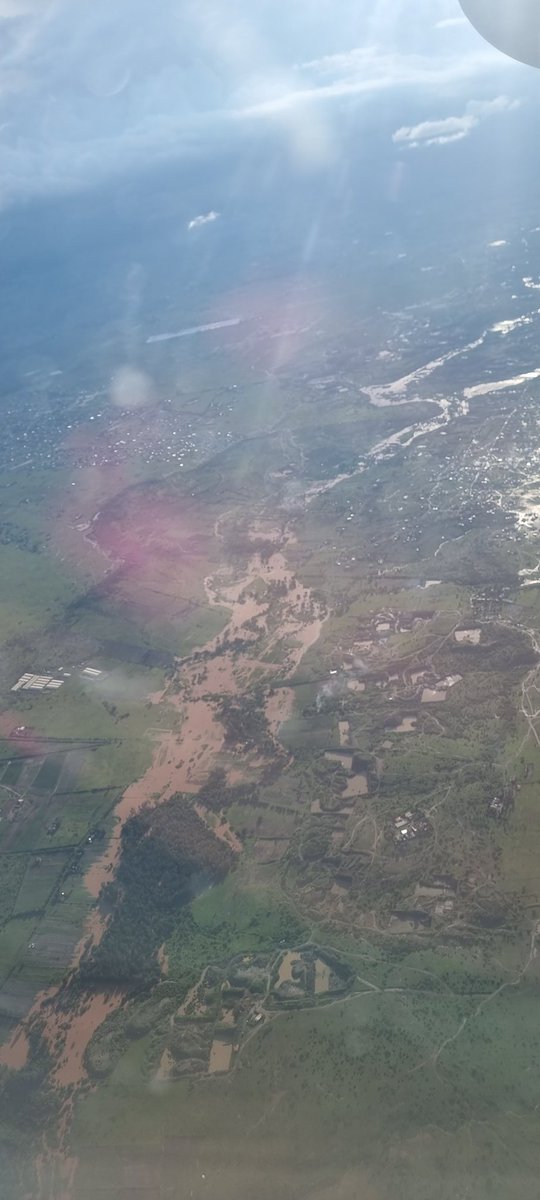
15,1053
95,926
182,759
279,707
81,1026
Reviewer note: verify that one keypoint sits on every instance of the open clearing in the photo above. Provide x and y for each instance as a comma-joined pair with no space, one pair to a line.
220,1056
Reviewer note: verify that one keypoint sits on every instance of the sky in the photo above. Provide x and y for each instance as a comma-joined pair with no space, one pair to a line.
91,88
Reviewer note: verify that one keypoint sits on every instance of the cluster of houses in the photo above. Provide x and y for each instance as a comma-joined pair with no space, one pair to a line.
499,806
410,825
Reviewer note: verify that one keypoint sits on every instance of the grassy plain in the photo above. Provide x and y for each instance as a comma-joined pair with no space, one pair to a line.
35,590
366,1093
229,919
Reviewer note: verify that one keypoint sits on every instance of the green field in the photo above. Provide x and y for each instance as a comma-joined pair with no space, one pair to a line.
36,590
39,882
362,1096
228,920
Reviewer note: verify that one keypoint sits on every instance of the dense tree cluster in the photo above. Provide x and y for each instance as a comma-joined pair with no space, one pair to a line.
245,723
216,794
168,856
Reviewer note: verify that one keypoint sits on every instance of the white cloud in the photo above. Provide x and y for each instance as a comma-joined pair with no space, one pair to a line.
91,88
10,9
366,72
452,129
203,219
436,133
371,67
450,22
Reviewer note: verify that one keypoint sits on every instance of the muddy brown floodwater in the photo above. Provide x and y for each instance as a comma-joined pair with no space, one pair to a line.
181,762
279,708
94,928
15,1053
82,1024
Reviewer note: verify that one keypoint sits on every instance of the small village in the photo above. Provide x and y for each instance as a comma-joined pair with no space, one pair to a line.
229,1003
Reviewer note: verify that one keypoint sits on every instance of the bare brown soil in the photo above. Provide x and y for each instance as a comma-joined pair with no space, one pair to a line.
285,974
220,1056
166,1067
357,786
407,725
322,977
163,961
234,776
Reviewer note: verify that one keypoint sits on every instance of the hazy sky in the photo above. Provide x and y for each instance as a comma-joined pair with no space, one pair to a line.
93,87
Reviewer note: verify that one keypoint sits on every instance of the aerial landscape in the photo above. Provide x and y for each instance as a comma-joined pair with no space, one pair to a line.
270,668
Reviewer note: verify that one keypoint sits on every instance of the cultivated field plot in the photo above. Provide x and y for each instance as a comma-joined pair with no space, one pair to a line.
40,881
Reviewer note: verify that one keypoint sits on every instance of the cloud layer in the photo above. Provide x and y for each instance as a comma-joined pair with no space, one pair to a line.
453,129
88,89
